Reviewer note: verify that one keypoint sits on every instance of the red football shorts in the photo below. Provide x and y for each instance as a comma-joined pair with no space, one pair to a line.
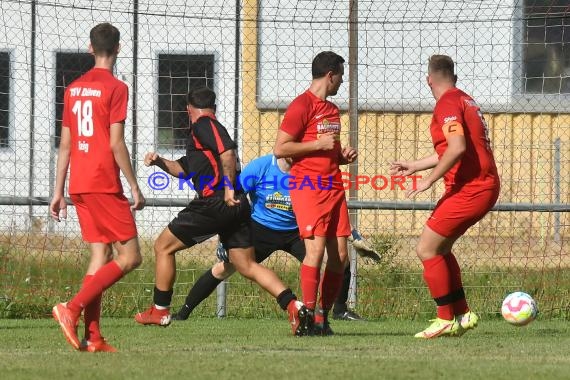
457,211
104,218
320,212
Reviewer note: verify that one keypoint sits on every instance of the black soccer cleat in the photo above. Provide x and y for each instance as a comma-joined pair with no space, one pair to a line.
299,318
347,315
182,314
322,329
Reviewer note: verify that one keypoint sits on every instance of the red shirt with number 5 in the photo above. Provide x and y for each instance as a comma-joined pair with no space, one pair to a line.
92,103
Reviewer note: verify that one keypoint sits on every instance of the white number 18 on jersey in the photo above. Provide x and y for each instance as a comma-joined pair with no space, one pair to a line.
84,117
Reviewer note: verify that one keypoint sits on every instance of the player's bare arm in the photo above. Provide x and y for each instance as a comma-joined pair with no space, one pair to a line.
410,167
58,205
169,166
348,155
287,146
453,153
121,154
228,160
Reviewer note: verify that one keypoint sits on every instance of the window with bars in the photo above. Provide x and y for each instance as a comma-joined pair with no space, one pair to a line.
546,47
177,75
4,99
69,66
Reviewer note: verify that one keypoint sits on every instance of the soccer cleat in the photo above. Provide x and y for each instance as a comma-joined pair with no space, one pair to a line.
154,316
96,346
321,325
439,327
347,315
299,318
178,317
466,322
182,314
363,248
68,323
322,329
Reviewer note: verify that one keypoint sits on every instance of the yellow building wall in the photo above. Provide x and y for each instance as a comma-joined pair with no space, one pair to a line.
523,145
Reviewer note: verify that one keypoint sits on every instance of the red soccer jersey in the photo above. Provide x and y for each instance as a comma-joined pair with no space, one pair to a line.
306,118
91,105
456,113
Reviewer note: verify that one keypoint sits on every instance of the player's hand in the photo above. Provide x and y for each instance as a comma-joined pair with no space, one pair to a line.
138,199
229,197
363,248
422,185
403,168
222,253
326,141
57,207
151,158
349,155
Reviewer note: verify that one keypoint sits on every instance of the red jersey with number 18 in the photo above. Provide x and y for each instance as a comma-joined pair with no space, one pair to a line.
91,105
456,113
306,118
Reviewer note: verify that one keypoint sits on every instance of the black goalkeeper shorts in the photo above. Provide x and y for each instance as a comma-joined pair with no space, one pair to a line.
266,241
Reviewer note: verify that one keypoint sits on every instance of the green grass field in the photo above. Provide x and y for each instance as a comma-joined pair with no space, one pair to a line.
232,348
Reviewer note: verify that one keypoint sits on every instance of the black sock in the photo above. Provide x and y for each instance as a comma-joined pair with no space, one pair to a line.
205,285
162,297
340,302
285,297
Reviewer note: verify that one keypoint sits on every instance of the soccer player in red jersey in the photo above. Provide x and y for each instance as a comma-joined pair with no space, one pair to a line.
220,207
92,145
465,161
310,134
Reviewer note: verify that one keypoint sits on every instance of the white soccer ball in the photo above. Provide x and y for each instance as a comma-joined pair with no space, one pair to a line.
519,309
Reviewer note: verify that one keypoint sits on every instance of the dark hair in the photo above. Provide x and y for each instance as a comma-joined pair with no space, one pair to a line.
326,61
442,65
104,39
202,97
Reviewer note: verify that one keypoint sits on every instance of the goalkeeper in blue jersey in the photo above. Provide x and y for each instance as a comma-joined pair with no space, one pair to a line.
274,228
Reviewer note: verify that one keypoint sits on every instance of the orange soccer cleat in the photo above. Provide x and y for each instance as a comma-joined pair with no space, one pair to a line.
68,322
154,316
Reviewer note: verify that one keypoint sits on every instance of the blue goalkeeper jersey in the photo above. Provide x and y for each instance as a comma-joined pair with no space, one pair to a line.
268,189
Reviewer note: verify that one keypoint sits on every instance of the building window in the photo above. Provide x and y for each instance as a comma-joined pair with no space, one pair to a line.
546,47
69,67
177,75
4,99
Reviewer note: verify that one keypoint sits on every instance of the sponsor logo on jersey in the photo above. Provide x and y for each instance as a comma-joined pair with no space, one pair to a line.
278,201
83,146
328,126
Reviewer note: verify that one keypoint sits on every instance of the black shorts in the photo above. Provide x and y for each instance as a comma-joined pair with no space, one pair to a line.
266,241
207,217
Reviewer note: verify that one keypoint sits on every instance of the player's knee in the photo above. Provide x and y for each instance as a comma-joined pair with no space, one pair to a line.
162,248
128,261
136,261
424,253
108,253
222,270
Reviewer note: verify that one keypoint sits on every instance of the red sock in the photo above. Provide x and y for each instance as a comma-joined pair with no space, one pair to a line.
437,278
460,306
330,286
310,277
106,276
92,315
